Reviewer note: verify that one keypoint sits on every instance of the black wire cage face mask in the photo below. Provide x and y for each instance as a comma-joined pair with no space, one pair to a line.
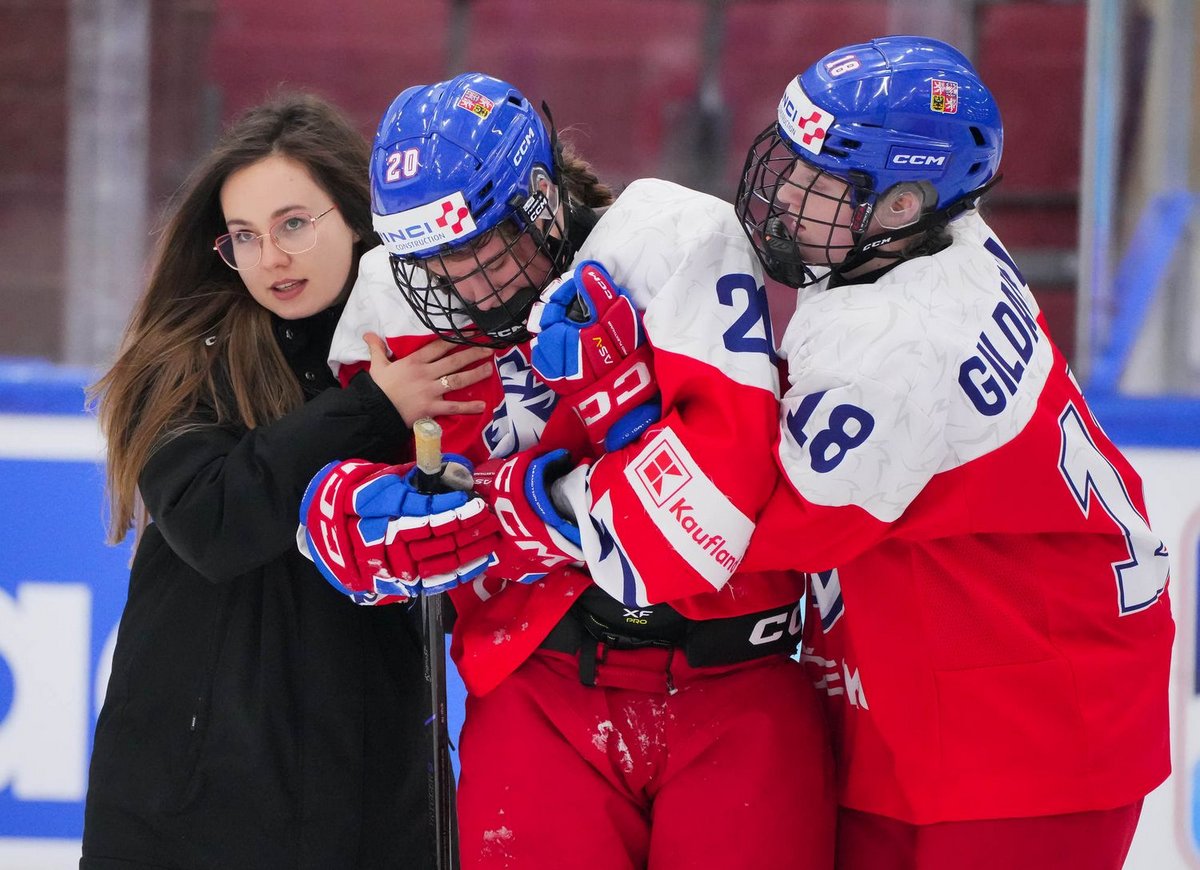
771,223
512,276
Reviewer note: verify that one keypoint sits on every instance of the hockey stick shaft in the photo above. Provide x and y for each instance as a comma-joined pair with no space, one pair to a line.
427,439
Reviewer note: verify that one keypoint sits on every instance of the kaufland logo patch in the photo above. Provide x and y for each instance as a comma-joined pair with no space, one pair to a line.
802,122
426,226
943,96
662,473
698,521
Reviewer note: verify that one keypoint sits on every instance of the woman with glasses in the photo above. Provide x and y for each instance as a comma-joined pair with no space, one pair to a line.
254,717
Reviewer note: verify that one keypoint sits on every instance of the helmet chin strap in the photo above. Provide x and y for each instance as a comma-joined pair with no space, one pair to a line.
537,215
871,247
557,247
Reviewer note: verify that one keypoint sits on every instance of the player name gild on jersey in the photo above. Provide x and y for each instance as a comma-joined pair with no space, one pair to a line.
1016,327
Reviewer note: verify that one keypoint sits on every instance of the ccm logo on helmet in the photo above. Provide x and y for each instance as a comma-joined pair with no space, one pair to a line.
906,158
523,148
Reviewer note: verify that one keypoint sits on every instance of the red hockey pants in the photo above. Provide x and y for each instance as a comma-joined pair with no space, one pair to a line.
731,770
1081,841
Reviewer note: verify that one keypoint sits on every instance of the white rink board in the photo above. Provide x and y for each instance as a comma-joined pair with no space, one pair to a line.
1167,836
45,854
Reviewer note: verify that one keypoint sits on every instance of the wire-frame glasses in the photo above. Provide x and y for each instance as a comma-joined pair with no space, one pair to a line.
294,234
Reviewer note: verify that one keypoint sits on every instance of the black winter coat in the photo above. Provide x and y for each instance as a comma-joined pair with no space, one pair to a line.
255,718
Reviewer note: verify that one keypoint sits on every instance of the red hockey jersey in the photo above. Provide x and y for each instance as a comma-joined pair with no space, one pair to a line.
666,519
989,616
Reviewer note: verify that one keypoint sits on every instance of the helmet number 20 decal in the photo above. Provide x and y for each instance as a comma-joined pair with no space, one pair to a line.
849,426
401,164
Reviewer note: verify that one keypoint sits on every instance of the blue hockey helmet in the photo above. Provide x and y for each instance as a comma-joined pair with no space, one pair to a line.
875,114
453,162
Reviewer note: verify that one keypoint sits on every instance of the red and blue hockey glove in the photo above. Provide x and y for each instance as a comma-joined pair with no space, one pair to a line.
537,537
378,540
591,349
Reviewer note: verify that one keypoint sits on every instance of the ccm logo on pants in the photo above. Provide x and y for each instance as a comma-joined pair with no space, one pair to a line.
771,628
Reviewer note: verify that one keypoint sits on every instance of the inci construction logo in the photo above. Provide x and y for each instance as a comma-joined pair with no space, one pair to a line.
426,226
804,122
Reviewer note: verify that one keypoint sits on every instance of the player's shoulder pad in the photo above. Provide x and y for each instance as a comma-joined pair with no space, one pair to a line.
655,226
663,199
913,328
374,305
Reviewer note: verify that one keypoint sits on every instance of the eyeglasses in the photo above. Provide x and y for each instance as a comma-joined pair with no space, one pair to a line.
295,234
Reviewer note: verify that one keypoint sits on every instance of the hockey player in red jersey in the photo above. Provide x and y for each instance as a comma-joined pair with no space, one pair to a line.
989,616
631,699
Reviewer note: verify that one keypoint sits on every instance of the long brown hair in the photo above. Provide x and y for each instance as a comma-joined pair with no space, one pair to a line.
580,179
197,337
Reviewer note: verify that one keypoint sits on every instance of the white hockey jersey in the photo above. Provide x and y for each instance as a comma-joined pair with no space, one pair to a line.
990,619
666,519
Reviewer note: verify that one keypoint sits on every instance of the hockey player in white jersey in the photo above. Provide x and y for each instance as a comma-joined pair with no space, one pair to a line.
990,621
631,702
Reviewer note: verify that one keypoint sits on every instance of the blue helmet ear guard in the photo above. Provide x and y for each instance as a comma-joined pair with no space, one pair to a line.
452,160
876,114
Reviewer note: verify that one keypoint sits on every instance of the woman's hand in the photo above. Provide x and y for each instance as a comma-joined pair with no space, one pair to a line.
417,383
